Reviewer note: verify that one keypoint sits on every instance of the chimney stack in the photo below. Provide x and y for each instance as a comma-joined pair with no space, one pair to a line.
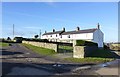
77,29
45,31
53,30
63,29
98,26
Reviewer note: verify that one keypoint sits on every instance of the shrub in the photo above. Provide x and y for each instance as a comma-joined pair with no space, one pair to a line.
8,38
85,43
106,47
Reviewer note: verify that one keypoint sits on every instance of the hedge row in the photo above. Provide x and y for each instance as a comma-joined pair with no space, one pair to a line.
37,40
6,41
85,43
47,41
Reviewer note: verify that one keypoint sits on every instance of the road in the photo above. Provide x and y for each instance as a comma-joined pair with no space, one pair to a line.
19,61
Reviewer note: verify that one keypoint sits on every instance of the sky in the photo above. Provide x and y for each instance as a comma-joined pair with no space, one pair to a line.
31,17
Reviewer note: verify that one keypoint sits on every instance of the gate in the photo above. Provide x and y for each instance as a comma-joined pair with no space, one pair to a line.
65,49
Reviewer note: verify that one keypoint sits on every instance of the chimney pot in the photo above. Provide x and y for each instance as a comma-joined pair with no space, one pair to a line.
64,29
53,30
45,31
78,28
98,26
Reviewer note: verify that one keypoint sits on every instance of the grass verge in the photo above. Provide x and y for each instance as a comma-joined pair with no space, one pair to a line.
40,50
89,60
2,44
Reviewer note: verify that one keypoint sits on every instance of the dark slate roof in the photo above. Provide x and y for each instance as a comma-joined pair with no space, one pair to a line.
56,32
80,31
72,32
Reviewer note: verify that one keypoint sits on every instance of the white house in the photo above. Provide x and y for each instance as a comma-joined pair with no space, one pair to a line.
94,35
53,36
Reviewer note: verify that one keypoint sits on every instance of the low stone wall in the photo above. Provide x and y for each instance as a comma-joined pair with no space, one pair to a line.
83,51
42,44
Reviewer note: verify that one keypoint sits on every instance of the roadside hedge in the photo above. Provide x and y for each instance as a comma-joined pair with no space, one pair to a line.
33,39
85,43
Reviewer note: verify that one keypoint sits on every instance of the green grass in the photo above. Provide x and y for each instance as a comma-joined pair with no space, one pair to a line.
98,56
40,50
89,60
100,53
2,44
66,47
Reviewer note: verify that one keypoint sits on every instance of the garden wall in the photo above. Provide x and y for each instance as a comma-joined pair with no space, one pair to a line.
83,51
43,44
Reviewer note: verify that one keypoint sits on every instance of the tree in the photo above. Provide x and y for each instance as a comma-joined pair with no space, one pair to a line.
36,36
8,38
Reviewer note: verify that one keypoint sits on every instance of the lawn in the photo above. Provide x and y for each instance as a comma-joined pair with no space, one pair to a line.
89,60
40,50
66,47
2,44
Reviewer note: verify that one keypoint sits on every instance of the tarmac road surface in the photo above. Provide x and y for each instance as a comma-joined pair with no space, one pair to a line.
19,61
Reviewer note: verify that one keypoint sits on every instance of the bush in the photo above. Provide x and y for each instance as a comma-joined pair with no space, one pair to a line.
103,53
106,47
85,43
8,38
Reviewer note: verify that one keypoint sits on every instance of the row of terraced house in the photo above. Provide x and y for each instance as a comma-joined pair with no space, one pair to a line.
94,35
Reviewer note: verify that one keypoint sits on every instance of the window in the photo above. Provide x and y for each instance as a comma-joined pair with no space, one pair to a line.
56,35
50,35
61,36
68,36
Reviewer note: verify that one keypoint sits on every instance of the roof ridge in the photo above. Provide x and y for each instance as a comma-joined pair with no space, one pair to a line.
73,32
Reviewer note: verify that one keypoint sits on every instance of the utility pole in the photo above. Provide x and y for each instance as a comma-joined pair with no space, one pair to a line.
13,31
40,34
